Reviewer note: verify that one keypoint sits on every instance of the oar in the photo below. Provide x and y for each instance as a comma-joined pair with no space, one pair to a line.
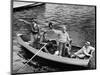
31,58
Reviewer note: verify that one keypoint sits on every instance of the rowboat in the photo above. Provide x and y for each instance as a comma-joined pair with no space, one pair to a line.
52,57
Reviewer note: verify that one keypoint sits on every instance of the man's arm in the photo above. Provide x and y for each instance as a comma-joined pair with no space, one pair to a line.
56,31
86,53
92,50
78,52
68,38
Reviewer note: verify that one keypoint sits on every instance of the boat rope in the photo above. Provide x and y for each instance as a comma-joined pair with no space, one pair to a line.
31,58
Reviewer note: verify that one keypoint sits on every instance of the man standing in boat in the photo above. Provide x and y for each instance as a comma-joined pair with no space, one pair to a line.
63,39
34,32
85,51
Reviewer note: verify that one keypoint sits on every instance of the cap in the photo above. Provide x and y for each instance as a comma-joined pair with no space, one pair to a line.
87,43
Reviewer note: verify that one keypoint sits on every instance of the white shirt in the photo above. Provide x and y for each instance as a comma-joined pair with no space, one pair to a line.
62,37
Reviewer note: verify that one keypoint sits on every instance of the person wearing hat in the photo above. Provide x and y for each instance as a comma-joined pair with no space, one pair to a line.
63,39
85,51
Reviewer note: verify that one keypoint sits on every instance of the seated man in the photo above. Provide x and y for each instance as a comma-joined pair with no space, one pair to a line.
85,51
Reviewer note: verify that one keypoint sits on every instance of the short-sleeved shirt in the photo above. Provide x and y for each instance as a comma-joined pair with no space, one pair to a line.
62,37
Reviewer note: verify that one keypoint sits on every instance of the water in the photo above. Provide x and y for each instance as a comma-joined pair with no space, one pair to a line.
79,20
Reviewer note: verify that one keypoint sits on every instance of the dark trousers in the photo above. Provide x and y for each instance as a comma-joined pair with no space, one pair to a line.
61,49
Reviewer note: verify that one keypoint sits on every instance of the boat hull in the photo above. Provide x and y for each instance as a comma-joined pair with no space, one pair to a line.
54,58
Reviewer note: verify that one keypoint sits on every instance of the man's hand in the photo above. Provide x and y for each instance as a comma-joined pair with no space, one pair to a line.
90,55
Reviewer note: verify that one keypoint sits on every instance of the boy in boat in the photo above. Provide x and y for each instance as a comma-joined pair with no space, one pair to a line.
85,51
63,39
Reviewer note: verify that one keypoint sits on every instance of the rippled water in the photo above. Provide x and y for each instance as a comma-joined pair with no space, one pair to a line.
79,20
